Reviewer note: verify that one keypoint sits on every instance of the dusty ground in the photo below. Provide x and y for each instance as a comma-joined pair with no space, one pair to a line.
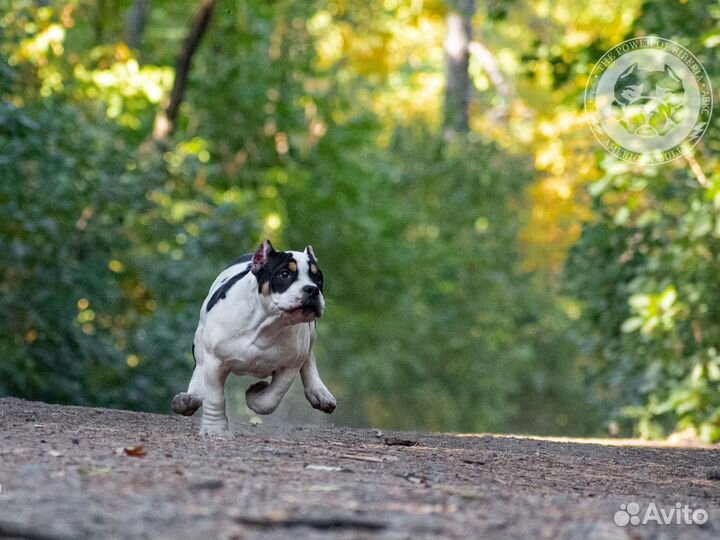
65,475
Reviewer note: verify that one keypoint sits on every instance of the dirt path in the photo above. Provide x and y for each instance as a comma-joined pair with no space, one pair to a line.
63,477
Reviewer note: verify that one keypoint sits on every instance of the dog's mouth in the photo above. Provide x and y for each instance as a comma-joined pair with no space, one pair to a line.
312,308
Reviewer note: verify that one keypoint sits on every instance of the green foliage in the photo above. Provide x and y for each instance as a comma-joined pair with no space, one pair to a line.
67,201
446,331
646,270
99,235
109,242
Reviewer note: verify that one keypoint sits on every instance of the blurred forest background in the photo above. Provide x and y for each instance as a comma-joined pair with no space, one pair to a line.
489,267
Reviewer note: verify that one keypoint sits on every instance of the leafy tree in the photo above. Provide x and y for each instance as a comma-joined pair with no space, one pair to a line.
307,123
645,269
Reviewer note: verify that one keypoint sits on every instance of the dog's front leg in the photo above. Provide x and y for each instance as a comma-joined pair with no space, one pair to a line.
186,403
214,419
263,397
315,390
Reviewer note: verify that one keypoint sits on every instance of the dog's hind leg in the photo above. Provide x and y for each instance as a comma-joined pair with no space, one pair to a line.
263,397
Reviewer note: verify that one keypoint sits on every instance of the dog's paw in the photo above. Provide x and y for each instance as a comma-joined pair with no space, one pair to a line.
186,404
321,399
215,430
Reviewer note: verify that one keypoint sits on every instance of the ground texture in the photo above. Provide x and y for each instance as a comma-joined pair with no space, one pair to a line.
74,473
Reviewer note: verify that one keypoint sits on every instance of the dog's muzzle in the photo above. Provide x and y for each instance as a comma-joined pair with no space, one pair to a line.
311,302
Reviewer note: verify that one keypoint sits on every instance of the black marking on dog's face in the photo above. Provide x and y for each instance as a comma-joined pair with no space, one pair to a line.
222,291
278,273
316,275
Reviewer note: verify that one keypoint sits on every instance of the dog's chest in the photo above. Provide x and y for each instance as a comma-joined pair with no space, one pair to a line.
288,349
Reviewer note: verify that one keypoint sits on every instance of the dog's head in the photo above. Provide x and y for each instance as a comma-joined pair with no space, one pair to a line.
289,282
649,103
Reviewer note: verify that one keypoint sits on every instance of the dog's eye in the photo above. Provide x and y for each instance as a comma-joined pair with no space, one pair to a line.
285,274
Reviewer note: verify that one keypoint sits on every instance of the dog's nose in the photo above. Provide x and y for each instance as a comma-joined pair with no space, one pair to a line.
311,290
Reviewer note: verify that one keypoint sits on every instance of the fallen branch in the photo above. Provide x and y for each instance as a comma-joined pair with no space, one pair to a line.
371,459
22,532
331,523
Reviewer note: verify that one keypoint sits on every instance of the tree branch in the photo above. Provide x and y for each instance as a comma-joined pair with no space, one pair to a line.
137,17
696,169
166,119
490,65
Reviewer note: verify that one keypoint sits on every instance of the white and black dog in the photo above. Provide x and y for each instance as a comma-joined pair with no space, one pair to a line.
258,319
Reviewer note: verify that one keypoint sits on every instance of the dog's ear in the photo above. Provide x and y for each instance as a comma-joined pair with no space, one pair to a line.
670,73
261,256
628,71
311,253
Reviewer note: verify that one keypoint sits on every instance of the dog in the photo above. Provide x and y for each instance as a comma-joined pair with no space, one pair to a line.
649,103
258,319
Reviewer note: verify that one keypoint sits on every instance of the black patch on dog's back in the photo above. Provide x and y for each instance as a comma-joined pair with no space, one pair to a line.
222,291
270,272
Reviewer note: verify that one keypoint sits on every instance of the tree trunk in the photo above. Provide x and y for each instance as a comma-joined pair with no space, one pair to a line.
136,23
457,54
167,117
98,15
